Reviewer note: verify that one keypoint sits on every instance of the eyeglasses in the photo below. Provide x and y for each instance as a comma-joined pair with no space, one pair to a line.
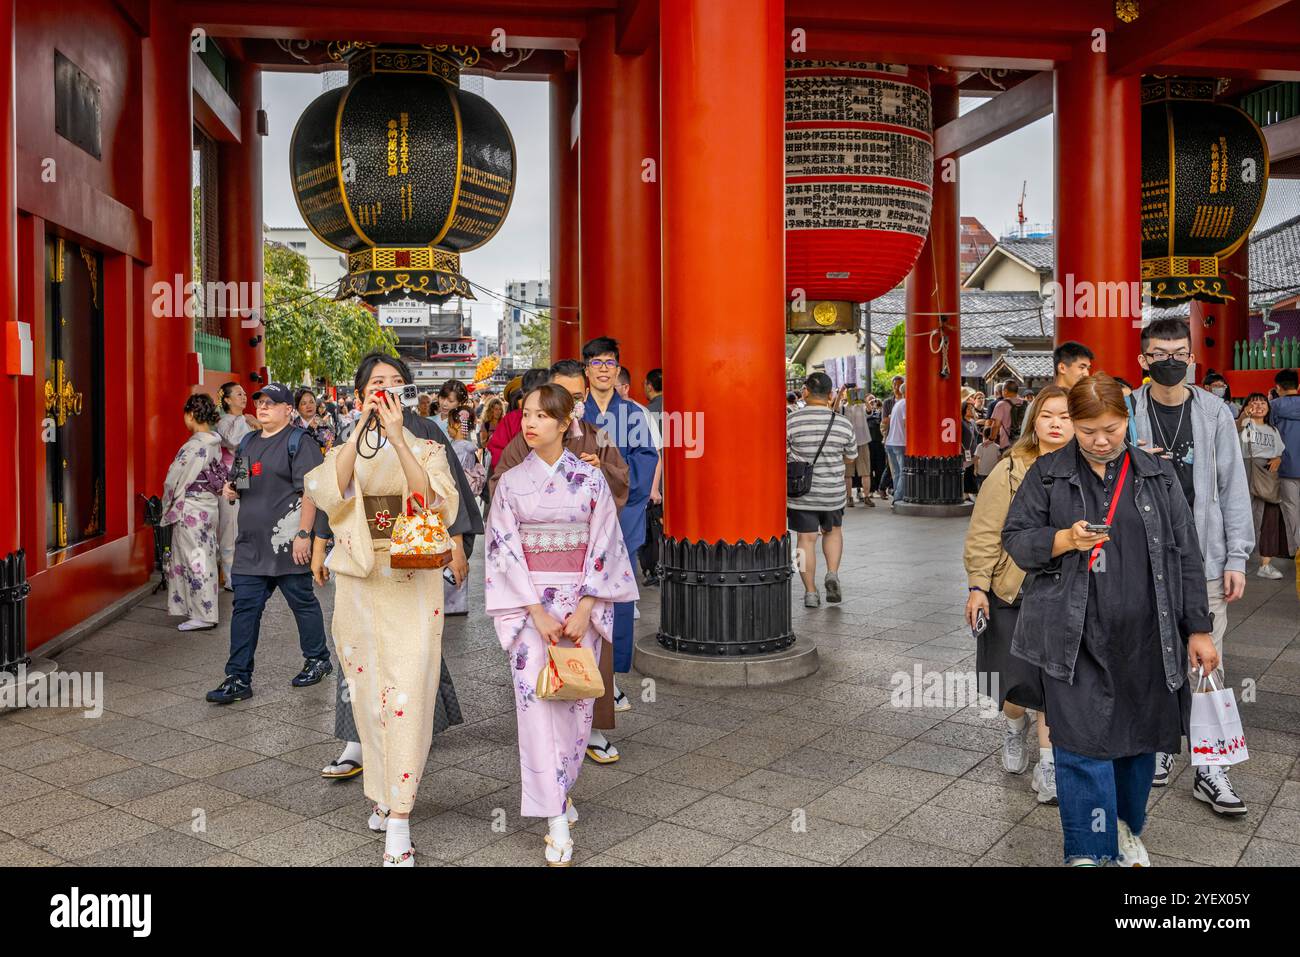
265,404
1159,355
603,363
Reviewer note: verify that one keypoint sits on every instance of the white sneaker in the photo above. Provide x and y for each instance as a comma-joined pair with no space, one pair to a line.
1212,786
1014,756
1044,782
1132,852
1164,767
1269,572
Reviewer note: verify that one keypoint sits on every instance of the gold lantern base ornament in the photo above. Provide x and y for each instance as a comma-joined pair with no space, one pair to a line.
382,274
1177,278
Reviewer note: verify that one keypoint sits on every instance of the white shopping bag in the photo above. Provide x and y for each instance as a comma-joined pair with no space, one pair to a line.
1215,735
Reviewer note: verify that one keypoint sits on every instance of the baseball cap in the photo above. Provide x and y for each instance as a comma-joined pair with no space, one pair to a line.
276,392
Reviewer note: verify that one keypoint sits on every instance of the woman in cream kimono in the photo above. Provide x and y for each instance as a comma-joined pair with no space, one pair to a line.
190,492
556,563
387,622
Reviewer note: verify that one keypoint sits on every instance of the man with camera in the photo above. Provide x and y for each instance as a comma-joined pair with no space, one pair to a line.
274,546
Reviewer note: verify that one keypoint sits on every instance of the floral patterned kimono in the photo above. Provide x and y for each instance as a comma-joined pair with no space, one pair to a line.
387,623
553,538
190,493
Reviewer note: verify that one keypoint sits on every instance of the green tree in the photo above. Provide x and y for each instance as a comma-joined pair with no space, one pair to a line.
308,333
535,349
895,348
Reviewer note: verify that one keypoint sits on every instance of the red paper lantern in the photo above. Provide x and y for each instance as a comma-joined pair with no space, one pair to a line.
859,157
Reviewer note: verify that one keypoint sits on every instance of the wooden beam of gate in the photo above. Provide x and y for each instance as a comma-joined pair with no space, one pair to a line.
1003,114
1170,27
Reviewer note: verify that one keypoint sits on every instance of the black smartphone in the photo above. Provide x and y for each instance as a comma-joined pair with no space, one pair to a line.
981,623
1097,528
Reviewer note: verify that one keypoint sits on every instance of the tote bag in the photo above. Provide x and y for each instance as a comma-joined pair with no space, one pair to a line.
1214,732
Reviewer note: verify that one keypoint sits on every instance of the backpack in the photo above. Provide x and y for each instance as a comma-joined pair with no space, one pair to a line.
295,440
1017,417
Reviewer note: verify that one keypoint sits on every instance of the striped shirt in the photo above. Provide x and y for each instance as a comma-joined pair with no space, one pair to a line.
804,431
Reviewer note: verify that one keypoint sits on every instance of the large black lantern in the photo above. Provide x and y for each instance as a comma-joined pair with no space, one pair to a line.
403,170
1204,170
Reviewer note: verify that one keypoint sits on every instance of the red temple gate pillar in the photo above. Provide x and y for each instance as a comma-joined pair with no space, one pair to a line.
239,199
10,345
1098,211
619,198
1217,327
167,150
726,560
566,343
933,465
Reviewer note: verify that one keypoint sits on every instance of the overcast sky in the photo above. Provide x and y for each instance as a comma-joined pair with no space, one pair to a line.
990,180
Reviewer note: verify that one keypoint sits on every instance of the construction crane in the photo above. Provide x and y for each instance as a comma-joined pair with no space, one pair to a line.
1020,208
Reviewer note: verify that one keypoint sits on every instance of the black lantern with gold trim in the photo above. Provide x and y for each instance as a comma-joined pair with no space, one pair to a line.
1204,170
403,170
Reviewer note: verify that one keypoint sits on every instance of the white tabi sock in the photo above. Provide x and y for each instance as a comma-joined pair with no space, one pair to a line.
398,840
597,739
351,752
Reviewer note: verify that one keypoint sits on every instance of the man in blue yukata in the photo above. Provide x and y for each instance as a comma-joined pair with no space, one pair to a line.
627,425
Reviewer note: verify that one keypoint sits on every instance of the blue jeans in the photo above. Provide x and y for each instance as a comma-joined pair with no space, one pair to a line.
895,455
1093,794
251,594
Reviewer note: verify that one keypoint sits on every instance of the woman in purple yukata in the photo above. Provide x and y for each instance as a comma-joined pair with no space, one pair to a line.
189,500
556,563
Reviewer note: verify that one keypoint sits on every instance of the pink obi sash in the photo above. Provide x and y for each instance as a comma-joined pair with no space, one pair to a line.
554,547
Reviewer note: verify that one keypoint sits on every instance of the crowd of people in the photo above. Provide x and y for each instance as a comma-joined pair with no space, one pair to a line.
300,492
1111,531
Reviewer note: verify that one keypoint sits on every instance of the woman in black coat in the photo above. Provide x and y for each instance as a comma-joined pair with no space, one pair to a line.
1113,618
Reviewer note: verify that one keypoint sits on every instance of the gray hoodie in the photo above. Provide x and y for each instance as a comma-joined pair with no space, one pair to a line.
1224,525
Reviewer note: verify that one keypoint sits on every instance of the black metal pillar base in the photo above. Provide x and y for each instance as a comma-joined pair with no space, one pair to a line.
14,590
724,598
933,480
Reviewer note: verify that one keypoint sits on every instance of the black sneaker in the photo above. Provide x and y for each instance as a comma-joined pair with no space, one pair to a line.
313,670
231,690
1213,787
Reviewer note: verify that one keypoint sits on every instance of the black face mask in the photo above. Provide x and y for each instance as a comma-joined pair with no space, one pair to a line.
1168,372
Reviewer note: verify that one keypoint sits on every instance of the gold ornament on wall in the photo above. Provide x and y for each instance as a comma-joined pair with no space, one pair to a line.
61,398
1126,11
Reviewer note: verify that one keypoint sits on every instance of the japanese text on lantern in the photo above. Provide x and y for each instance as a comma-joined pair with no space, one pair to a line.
399,145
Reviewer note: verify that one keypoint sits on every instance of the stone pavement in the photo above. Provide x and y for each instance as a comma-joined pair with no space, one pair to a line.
821,771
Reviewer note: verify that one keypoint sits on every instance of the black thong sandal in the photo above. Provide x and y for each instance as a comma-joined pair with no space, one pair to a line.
342,770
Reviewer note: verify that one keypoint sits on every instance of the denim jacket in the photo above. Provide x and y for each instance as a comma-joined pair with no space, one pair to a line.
1050,627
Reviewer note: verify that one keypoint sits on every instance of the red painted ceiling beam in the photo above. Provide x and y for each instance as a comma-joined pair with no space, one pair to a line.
1025,19
1003,114
362,21
1253,63
636,25
952,50
1168,28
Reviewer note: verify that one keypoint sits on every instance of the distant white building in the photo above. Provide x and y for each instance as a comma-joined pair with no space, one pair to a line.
327,265
524,298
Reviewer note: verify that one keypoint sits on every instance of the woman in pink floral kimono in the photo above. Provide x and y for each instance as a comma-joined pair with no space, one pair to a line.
556,563
190,508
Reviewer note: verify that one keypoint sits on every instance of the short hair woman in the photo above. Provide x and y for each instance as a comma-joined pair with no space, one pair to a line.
1115,609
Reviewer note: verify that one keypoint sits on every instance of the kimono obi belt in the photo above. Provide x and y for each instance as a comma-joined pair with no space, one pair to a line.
554,547
381,513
